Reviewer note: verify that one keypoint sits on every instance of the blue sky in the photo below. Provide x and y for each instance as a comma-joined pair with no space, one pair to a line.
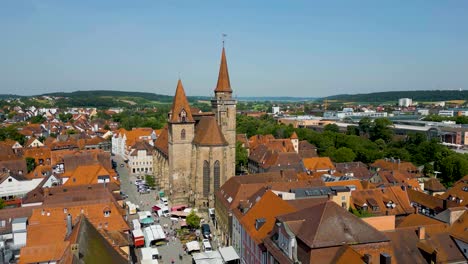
274,48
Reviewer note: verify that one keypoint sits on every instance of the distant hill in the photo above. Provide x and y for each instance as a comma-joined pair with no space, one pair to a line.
9,96
421,96
276,98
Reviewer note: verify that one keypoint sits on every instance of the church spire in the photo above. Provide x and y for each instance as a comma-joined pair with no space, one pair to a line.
180,111
224,84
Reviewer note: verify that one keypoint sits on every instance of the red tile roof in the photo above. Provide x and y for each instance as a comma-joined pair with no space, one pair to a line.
223,85
179,105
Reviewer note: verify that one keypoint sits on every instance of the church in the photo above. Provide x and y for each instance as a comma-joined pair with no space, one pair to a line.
195,152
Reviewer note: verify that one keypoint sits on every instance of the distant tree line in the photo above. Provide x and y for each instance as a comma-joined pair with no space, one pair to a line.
367,142
427,96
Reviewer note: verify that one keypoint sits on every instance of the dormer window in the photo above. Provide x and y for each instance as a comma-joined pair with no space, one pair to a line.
183,115
107,212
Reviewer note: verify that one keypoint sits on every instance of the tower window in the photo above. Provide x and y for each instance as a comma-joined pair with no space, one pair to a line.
182,134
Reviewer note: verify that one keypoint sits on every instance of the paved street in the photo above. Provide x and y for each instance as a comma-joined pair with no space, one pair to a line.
173,248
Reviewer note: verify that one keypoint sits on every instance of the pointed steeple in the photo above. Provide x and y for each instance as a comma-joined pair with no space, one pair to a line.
224,85
180,111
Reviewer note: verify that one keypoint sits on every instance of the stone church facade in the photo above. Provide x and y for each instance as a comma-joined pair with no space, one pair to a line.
195,152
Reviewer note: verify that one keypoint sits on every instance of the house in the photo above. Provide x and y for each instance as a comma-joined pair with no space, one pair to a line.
382,201
458,193
33,143
54,232
433,187
89,174
122,140
354,169
237,190
319,165
325,233
257,223
15,186
140,159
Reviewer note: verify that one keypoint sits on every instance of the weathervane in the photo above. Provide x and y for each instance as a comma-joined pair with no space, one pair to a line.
224,35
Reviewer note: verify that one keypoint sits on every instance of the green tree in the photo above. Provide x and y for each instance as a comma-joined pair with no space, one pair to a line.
352,130
37,119
332,128
381,129
71,132
193,220
2,203
65,117
241,157
30,164
428,170
360,213
150,181
365,125
343,154
452,168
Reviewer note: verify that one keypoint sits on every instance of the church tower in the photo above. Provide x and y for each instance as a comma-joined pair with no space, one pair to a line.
181,130
224,107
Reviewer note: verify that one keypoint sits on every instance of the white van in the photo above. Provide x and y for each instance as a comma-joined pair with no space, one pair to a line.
164,201
207,245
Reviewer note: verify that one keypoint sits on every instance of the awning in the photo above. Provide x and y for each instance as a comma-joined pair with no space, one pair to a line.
193,246
147,221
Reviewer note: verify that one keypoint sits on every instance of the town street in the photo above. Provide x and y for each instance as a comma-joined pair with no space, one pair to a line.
173,248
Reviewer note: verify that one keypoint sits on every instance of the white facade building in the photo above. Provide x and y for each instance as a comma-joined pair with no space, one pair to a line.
405,102
16,186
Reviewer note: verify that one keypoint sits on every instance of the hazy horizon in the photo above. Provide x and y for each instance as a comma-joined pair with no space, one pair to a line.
298,49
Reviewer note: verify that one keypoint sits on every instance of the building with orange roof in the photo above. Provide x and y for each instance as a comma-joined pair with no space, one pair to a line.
458,193
318,235
89,174
50,228
123,140
257,223
195,155
319,164
41,155
391,200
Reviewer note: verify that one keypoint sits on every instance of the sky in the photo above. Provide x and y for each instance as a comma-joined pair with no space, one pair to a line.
274,48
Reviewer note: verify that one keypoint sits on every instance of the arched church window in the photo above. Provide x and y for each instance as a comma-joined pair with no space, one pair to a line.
182,134
216,172
206,178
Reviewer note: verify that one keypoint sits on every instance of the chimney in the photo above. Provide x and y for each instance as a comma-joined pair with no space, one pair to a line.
444,204
385,258
422,233
46,191
69,224
367,259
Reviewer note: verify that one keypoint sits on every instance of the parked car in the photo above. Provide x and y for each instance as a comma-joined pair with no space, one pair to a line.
207,245
124,195
206,231
143,190
164,200
139,182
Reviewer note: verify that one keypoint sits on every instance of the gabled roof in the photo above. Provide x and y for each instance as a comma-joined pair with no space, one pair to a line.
416,220
318,163
327,225
179,105
269,206
434,185
88,174
223,85
459,228
294,135
162,142
459,193
208,133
